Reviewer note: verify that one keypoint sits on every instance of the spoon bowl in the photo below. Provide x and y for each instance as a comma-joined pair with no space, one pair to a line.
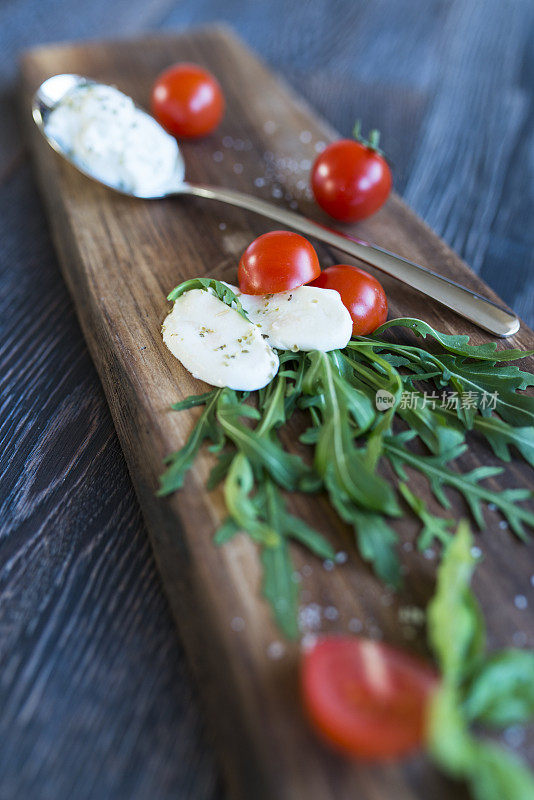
47,98
485,313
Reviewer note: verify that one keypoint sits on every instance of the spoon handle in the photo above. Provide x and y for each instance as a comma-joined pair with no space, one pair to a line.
469,304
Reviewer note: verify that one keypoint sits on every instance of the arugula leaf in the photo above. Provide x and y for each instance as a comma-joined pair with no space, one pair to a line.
468,484
498,774
181,461
501,692
287,469
491,772
455,625
434,528
351,439
474,687
218,288
458,344
337,460
226,531
242,507
279,588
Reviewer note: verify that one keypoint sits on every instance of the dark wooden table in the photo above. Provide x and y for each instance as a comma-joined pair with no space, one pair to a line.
96,699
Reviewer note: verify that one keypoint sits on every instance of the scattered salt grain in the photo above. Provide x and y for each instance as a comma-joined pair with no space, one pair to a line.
519,639
503,524
514,736
476,552
309,617
407,547
411,615
331,613
277,192
293,204
328,564
355,625
218,156
238,169
492,507
222,226
308,641
269,126
238,624
520,602
227,141
429,553
306,570
276,650
319,147
305,137
341,557
305,163
259,182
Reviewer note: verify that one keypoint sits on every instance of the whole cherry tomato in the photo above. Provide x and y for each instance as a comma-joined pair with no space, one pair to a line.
277,262
187,100
365,698
350,178
361,294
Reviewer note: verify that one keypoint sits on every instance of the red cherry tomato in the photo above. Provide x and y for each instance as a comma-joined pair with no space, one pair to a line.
361,294
277,262
367,699
351,179
187,100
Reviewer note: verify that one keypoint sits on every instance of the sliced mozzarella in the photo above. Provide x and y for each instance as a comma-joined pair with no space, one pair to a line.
308,318
216,344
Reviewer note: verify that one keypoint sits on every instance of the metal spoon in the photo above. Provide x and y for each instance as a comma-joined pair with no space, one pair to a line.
478,309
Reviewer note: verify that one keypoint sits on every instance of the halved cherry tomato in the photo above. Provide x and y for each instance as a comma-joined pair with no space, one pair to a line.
351,179
361,294
277,262
367,699
187,100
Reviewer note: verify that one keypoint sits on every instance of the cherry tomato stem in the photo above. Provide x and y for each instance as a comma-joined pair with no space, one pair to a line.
351,179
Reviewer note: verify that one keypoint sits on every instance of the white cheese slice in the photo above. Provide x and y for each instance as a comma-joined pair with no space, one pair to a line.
216,344
308,318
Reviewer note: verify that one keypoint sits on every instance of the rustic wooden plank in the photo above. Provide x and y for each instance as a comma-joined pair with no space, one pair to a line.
141,379
359,76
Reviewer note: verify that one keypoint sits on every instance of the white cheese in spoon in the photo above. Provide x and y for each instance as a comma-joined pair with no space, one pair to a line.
113,140
308,318
216,344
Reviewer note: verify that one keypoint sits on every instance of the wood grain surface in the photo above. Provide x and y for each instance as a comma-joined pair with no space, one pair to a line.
119,258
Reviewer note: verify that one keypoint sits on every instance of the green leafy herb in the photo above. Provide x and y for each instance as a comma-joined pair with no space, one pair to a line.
433,399
495,689
458,344
501,692
435,529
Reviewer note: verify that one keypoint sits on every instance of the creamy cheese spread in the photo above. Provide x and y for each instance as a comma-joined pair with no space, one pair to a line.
108,137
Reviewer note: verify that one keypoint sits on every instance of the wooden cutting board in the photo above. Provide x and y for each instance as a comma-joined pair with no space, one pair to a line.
120,257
